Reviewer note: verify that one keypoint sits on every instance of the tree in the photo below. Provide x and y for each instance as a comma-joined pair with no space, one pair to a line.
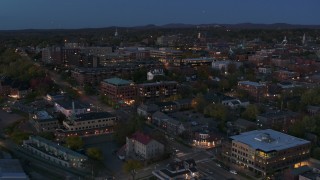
140,75
47,135
88,89
18,137
316,153
199,103
74,142
131,166
251,112
122,130
224,84
232,68
217,111
61,117
95,153
297,129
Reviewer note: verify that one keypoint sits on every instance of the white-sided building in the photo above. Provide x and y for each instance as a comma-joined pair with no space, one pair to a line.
143,146
54,153
69,108
153,73
88,124
44,122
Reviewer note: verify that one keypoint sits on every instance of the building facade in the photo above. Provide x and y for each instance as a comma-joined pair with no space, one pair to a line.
267,151
54,153
69,108
119,91
143,146
91,75
254,89
93,123
280,120
43,122
157,89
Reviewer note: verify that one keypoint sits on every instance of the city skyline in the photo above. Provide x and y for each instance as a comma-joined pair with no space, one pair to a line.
72,14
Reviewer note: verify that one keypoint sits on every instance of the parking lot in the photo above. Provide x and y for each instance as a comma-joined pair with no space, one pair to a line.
7,119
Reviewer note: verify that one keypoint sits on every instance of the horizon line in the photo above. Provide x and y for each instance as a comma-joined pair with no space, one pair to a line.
163,25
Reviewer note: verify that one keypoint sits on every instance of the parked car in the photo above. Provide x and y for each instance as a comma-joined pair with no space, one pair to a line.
233,172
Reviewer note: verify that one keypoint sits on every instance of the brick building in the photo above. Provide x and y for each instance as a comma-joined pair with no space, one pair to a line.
119,91
254,89
280,120
157,89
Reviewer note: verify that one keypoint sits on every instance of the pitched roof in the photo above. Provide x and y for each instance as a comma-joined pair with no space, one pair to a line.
141,137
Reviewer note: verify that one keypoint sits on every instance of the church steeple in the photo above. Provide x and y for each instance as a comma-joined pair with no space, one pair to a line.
116,33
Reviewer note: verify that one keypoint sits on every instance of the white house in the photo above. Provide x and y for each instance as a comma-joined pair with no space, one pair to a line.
143,146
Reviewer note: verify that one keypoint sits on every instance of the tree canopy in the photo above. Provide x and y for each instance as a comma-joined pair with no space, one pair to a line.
251,112
94,153
74,142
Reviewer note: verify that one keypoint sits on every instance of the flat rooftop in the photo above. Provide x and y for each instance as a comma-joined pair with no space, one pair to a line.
158,83
117,81
93,116
41,115
67,104
269,140
199,59
60,148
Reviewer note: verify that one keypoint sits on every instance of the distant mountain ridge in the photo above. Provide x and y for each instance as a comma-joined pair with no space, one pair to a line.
244,26
182,25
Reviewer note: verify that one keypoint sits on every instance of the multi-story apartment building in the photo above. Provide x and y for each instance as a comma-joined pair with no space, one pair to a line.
267,151
167,123
261,57
69,55
138,53
223,65
54,153
197,61
91,75
157,89
167,40
119,91
166,53
97,51
52,55
143,146
285,75
254,89
93,123
44,122
280,120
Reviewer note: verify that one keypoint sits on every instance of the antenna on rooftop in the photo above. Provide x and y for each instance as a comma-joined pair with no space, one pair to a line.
73,114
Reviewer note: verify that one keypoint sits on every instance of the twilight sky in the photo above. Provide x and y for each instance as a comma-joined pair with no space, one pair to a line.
46,14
